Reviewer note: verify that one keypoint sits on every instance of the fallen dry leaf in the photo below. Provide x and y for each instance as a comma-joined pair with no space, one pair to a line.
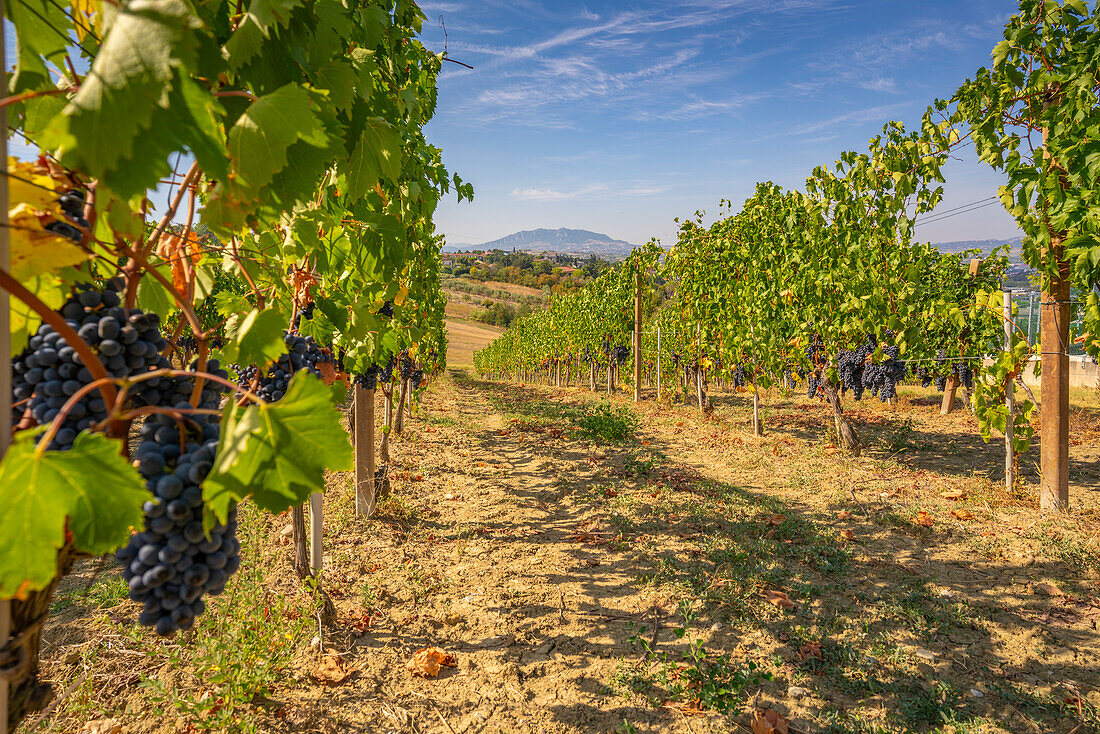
427,661
102,726
780,599
810,650
690,708
963,514
954,494
775,520
330,671
843,515
847,534
1048,589
769,721
924,519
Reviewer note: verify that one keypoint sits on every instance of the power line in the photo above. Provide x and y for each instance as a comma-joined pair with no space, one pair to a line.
966,209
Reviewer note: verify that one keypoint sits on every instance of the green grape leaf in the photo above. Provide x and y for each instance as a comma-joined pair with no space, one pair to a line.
91,485
260,17
153,297
255,338
339,78
376,155
35,23
277,453
258,144
129,81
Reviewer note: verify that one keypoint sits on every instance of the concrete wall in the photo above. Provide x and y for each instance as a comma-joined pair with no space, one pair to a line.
1082,373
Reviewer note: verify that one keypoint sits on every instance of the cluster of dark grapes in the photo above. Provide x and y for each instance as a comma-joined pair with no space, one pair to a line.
406,366
72,205
172,563
306,312
189,343
368,380
620,353
739,376
606,346
852,367
812,384
924,374
941,378
675,358
386,310
815,352
889,373
49,371
961,369
385,372
303,353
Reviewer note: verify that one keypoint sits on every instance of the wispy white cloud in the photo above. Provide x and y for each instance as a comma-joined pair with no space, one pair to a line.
591,191
880,113
880,84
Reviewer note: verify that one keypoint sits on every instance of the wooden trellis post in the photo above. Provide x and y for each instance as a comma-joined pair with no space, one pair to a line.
365,491
658,363
5,365
1054,382
316,531
1010,398
637,337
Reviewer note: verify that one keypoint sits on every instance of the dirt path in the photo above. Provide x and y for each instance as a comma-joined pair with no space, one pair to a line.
514,579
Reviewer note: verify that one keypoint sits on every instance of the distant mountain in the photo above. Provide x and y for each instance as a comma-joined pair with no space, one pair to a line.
569,241
986,246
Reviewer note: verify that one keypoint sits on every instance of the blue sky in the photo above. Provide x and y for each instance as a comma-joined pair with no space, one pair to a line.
619,117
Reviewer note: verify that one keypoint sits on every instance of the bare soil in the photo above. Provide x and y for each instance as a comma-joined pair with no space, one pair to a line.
571,577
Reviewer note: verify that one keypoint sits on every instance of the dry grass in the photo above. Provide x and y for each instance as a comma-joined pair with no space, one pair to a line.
466,337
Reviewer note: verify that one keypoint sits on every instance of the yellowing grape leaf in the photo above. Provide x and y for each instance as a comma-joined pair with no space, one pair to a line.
87,16
26,185
954,494
90,489
924,519
35,249
963,514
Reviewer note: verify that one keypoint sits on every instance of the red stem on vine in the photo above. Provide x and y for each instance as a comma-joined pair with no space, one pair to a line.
139,259
244,272
16,98
196,391
54,319
126,382
55,424
236,93
154,239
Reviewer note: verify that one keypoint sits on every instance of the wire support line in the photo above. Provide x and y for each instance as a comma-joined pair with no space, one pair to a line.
932,218
52,27
27,181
